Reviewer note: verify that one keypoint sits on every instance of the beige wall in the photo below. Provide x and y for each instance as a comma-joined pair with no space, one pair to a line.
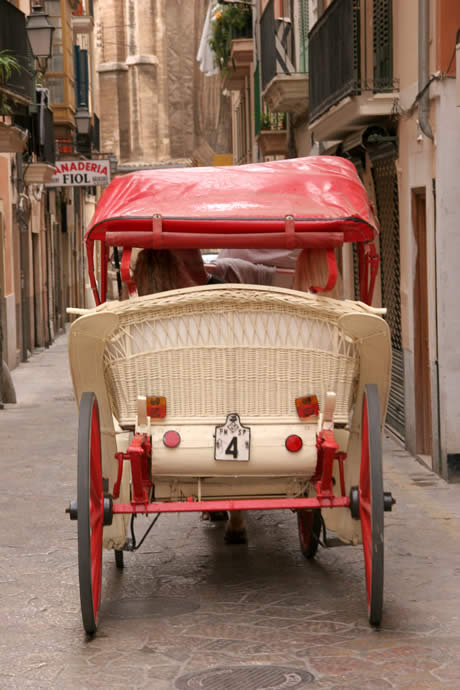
423,164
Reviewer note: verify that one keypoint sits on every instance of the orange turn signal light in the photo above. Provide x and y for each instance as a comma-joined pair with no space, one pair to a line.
307,406
156,407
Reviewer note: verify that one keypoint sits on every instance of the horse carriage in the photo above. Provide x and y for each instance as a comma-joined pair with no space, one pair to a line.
231,397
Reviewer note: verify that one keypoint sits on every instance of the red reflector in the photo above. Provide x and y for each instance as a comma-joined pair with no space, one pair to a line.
171,439
156,407
294,443
307,406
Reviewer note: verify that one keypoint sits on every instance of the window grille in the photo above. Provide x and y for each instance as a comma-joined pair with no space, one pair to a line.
383,44
387,197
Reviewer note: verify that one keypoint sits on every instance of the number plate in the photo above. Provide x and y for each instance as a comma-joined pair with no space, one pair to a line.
232,440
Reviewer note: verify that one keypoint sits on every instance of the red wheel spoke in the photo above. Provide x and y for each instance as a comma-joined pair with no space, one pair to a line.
96,495
96,518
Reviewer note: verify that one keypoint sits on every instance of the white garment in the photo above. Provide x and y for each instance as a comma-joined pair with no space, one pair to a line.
238,270
282,258
205,56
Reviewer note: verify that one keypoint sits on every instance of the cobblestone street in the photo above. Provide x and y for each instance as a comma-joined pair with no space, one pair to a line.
189,611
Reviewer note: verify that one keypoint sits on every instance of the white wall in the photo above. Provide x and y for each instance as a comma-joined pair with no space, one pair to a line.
448,264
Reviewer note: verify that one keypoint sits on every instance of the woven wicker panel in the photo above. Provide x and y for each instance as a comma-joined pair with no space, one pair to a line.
220,351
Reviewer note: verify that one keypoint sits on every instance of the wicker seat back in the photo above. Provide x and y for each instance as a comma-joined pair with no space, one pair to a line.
215,350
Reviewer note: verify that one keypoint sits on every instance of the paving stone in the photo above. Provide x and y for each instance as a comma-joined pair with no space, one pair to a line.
263,604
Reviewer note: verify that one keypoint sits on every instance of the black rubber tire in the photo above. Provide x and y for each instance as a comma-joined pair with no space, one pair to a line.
371,505
309,527
119,559
90,502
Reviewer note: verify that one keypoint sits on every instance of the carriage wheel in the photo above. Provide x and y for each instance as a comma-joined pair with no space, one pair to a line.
309,524
371,502
90,501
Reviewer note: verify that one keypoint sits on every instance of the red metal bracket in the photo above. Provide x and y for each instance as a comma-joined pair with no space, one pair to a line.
138,454
368,268
332,273
157,231
289,227
328,451
125,271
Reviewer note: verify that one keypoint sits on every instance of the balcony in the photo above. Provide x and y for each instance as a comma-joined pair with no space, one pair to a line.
12,139
272,138
351,68
284,73
18,89
232,44
287,93
238,66
83,17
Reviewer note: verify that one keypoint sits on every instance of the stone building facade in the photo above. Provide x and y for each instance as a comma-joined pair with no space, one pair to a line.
155,105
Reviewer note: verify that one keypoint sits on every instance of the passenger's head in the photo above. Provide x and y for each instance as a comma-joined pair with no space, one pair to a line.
193,263
158,270
312,270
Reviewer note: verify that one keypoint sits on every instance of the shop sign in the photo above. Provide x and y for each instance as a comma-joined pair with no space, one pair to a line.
80,174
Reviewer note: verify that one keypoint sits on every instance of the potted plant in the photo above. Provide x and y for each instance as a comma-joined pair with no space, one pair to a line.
231,22
272,137
273,121
8,66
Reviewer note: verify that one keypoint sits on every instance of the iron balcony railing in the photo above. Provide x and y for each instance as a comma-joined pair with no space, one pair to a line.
337,58
13,40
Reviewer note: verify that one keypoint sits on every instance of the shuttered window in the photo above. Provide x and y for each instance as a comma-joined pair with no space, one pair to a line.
81,77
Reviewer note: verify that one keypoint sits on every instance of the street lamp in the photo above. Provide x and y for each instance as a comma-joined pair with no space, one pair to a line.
83,121
40,33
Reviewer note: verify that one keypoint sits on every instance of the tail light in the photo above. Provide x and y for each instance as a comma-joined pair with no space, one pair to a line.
307,406
171,439
156,407
293,443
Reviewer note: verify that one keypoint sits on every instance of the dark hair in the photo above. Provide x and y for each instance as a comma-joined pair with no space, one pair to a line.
158,270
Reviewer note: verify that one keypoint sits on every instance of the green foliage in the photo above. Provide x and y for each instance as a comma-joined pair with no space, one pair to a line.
232,21
273,121
8,66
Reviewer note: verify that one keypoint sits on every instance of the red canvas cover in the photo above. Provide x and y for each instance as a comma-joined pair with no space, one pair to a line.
243,205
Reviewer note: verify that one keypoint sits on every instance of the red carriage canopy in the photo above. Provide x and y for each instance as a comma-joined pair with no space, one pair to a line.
314,201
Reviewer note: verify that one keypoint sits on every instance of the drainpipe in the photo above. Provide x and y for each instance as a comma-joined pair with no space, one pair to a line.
423,66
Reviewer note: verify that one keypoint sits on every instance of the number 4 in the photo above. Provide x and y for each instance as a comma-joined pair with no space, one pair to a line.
232,448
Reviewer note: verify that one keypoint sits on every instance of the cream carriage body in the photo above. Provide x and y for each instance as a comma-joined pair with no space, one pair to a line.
232,397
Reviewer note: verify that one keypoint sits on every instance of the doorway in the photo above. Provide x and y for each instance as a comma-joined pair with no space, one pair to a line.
422,377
